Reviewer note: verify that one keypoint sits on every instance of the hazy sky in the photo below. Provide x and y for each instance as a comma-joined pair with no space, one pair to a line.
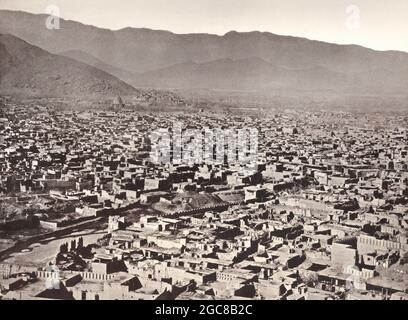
383,23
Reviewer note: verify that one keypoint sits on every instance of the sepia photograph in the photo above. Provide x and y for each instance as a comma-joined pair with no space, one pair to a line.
203,156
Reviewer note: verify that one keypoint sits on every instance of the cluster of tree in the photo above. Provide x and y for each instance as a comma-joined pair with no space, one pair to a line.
74,245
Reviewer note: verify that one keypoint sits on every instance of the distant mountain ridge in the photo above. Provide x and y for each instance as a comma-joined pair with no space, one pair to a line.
249,61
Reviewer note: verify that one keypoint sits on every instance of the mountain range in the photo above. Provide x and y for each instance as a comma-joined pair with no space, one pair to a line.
257,61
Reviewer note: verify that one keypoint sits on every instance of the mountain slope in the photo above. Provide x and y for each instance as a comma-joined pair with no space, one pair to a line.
29,70
245,74
92,61
257,74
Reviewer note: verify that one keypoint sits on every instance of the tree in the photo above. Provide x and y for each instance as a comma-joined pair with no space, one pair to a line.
2,211
64,248
80,243
73,245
